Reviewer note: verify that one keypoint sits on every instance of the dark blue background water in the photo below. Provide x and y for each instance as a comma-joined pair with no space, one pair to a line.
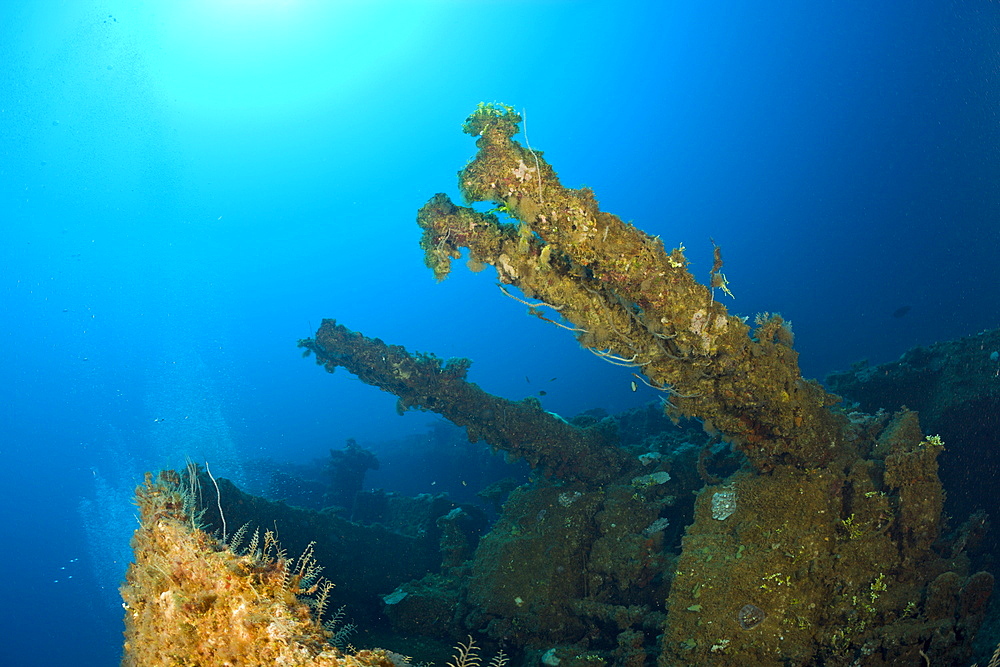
186,188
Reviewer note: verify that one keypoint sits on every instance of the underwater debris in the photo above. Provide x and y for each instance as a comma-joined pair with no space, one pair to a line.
750,616
652,479
723,504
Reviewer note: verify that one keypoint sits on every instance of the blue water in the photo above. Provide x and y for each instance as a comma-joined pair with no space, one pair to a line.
187,188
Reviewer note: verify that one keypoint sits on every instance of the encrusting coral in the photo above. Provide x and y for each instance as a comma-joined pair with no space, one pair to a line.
628,300
521,428
825,548
191,600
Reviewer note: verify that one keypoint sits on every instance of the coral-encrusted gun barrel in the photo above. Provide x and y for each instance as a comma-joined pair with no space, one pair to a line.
628,300
521,428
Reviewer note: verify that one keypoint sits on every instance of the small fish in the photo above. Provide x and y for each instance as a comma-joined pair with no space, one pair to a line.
901,311
634,385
